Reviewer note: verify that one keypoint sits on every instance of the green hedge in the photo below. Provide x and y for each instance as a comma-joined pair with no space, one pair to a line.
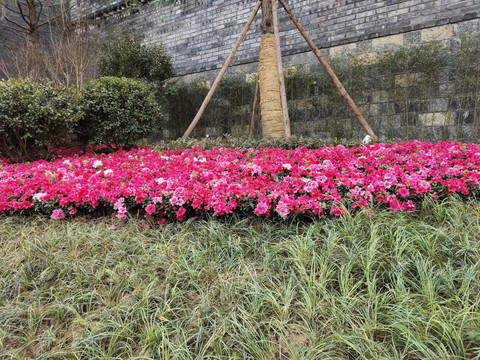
118,112
34,118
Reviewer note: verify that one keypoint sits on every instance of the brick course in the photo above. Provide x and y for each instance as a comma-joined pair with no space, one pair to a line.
199,37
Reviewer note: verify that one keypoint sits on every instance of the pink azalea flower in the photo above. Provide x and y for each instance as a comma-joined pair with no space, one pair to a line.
57,214
226,180
337,211
261,209
282,208
404,192
408,206
150,209
180,212
395,205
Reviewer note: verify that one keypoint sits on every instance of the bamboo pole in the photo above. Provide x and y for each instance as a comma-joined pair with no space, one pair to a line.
356,111
256,102
281,78
222,71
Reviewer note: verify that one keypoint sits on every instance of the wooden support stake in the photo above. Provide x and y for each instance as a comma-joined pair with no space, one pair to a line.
222,71
281,78
256,102
356,111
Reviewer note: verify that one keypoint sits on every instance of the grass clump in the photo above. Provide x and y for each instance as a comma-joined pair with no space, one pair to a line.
387,286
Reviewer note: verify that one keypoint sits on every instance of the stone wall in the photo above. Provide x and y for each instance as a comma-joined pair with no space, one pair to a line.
200,37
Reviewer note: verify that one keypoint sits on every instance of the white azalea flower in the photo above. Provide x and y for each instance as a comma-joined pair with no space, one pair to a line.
97,163
39,196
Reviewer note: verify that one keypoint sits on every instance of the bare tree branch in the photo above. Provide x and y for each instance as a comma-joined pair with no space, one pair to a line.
21,13
6,27
39,12
11,9
14,23
49,20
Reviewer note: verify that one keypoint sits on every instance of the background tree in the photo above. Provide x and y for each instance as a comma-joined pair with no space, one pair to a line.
70,55
26,18
55,39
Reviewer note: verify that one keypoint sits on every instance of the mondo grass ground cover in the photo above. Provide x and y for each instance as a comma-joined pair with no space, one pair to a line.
387,285
266,182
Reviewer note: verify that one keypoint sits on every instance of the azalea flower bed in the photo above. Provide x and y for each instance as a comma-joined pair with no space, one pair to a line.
265,182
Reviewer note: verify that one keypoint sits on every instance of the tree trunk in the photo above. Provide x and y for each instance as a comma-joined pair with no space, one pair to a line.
270,101
33,20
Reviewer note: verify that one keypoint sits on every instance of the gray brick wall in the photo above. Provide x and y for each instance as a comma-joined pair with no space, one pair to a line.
200,37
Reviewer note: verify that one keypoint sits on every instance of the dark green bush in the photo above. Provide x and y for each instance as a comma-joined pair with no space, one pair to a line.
34,118
126,56
231,103
181,102
235,91
117,111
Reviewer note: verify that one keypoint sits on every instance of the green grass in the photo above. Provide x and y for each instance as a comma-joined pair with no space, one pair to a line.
387,286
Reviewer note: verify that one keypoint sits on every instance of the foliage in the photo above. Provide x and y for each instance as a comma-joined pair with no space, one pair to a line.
181,102
315,103
117,111
126,56
465,78
34,118
235,91
424,92
246,142
387,286
411,77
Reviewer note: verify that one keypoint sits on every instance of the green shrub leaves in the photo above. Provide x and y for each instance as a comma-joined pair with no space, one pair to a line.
37,117
117,111
126,56
34,118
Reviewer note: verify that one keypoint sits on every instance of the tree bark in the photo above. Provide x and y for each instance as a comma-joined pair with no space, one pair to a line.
267,16
270,100
33,16
281,76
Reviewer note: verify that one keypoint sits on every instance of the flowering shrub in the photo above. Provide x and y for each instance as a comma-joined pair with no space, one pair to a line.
264,182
